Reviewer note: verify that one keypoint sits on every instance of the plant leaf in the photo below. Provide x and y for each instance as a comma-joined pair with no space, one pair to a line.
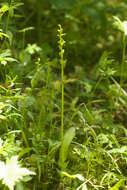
69,135
118,185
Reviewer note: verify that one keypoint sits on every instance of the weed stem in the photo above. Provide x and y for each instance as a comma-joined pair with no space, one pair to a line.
122,59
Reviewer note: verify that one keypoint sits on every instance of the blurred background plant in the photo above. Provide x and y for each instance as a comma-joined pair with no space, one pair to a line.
95,103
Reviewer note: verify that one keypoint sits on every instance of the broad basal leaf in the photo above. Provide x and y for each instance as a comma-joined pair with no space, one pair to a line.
68,137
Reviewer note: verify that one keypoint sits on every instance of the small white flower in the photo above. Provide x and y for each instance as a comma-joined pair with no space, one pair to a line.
125,27
12,172
118,24
2,170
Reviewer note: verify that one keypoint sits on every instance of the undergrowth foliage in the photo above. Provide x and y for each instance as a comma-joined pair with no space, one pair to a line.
63,123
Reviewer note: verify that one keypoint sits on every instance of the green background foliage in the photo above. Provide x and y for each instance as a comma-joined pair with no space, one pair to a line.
93,151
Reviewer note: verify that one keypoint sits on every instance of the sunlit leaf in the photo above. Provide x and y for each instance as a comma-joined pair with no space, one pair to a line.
118,185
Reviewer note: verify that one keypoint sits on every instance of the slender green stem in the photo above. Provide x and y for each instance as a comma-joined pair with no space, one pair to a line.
61,54
23,69
8,17
23,42
24,138
7,23
62,103
39,19
123,58
94,89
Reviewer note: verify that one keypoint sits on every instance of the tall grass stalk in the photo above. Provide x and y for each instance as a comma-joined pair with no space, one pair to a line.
61,43
123,58
8,16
